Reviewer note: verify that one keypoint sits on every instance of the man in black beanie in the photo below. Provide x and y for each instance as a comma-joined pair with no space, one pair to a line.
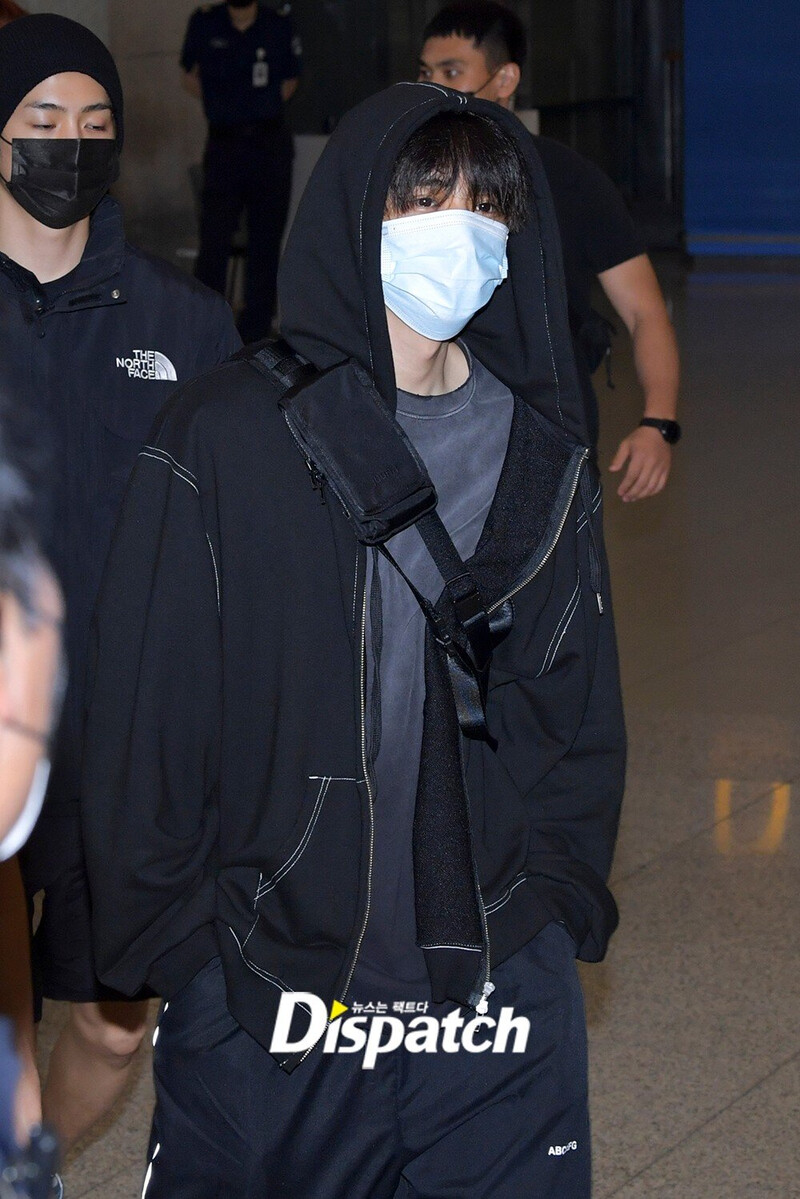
93,337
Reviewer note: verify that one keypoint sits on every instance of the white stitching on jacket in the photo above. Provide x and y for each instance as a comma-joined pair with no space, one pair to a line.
314,778
470,948
149,1173
597,500
503,900
176,470
256,918
355,591
565,615
181,472
547,320
300,848
546,665
425,83
174,461
270,978
216,573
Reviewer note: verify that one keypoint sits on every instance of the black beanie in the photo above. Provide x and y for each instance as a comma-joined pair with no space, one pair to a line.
35,47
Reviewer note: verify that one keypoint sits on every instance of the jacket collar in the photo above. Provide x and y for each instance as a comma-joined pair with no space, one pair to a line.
102,260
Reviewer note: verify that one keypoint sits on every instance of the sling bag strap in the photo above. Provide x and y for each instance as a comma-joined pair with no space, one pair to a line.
277,359
390,493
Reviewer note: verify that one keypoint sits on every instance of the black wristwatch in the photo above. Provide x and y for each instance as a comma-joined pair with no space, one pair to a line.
670,430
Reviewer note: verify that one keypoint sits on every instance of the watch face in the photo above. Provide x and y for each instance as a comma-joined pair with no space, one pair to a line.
670,430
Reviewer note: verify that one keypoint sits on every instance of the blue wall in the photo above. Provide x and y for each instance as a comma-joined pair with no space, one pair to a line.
742,126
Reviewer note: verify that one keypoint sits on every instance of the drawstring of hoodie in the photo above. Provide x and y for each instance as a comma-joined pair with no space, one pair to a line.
595,569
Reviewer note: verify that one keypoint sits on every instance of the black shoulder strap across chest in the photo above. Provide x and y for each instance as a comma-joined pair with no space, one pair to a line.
277,359
354,445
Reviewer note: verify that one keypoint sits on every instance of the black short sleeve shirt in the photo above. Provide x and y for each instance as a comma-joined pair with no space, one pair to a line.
241,73
597,231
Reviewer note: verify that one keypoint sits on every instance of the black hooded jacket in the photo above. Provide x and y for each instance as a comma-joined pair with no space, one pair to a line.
228,805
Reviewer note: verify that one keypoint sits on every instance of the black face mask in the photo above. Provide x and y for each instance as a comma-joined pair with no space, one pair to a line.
60,180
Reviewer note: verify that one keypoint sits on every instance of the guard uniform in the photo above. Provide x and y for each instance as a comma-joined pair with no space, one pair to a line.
248,157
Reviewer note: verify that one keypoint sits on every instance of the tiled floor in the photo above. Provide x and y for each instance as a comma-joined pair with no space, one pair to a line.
695,1014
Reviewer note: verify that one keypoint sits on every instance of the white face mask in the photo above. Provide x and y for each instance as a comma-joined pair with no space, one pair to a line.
440,268
22,827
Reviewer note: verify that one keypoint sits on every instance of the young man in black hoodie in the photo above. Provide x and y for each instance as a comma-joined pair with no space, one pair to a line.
357,857
93,337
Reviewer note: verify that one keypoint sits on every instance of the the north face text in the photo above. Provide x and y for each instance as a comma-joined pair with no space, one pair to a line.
148,364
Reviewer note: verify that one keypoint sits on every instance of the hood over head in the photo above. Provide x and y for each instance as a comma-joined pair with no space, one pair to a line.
329,285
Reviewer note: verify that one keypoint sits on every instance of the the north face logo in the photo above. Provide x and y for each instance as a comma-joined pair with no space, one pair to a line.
148,364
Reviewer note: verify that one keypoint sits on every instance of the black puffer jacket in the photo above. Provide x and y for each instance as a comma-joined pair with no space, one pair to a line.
94,357
228,796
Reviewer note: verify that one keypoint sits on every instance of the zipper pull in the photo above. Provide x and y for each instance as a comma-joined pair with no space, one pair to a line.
483,1003
600,603
317,480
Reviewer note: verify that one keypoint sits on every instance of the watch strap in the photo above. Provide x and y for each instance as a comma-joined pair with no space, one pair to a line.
670,430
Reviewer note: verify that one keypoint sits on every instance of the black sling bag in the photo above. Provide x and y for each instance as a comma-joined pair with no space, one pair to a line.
353,444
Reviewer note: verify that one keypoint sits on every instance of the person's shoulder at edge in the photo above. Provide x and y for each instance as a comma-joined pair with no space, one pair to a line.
167,273
571,167
176,286
591,205
205,16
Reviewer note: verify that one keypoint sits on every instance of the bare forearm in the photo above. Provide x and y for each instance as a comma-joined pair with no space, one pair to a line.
655,352
190,82
632,288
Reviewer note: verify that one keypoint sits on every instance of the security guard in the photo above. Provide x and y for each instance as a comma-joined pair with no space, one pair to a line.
244,60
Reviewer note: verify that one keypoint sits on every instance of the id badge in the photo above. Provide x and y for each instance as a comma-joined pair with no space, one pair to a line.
260,74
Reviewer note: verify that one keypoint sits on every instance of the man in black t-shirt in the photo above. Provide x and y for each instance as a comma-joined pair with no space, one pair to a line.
479,46
243,60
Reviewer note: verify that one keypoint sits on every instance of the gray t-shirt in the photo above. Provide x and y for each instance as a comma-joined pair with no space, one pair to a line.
462,438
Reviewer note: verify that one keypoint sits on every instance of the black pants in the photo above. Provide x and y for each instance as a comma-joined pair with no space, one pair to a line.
250,170
229,1124
62,956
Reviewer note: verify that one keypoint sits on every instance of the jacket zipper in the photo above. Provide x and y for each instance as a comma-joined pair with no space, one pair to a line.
365,768
370,799
482,1005
554,542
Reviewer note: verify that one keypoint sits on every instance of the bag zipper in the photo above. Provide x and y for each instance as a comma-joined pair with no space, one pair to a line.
317,480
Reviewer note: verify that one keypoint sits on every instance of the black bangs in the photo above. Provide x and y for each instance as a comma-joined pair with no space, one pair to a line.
462,147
